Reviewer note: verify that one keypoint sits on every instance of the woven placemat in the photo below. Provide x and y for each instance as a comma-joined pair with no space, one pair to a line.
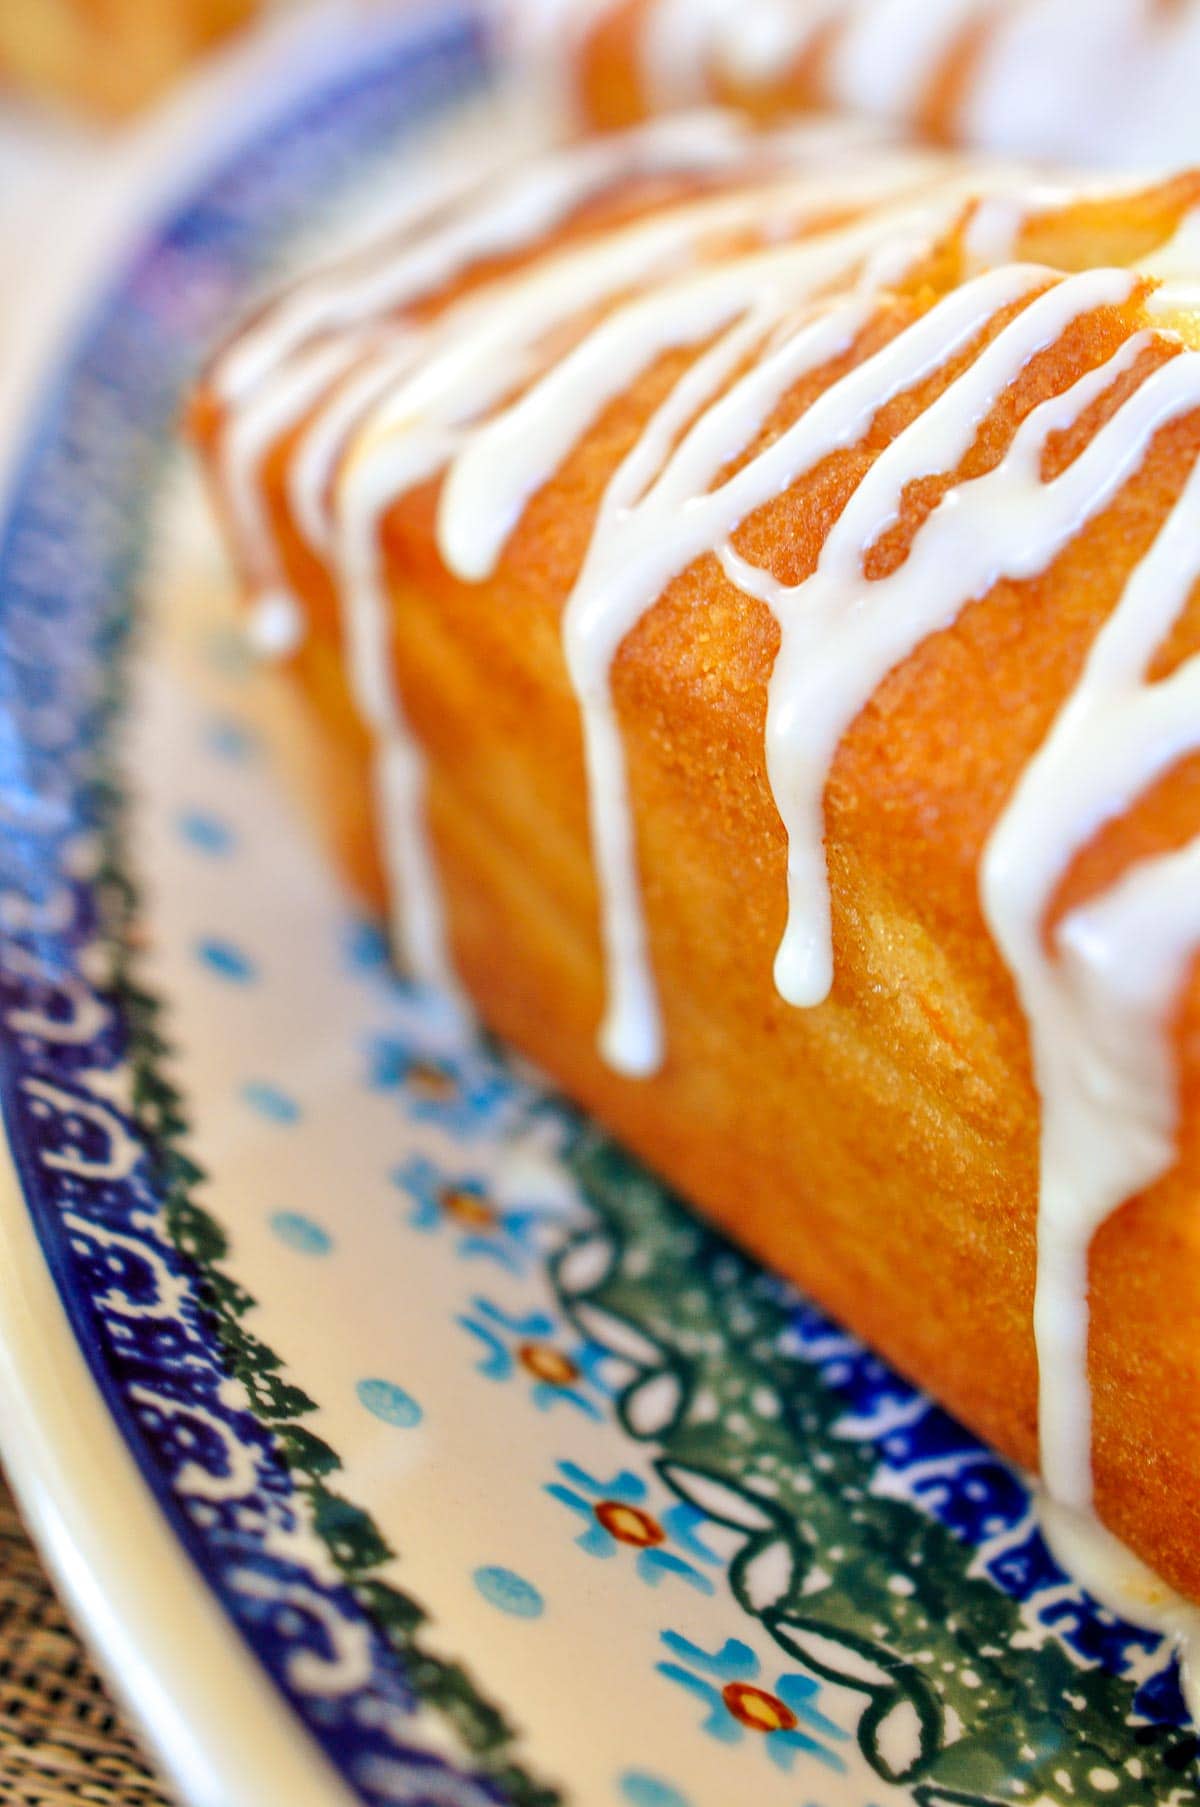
62,1742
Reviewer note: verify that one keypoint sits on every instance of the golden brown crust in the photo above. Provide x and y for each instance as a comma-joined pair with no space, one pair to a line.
881,1150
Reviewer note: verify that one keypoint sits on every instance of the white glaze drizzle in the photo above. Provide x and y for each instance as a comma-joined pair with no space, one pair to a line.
318,357
287,368
768,38
331,424
1177,261
252,429
647,541
841,635
471,394
882,54
515,451
677,48
275,627
1115,1577
1118,94
1097,1000
777,207
889,50
279,369
398,763
506,217
1121,90
470,360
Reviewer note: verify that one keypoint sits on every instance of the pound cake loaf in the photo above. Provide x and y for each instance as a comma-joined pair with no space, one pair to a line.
745,597
1085,81
108,56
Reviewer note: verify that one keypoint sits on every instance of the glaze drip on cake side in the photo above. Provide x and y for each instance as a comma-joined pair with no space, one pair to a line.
773,276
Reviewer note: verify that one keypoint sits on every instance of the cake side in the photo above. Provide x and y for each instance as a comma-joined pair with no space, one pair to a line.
881,1147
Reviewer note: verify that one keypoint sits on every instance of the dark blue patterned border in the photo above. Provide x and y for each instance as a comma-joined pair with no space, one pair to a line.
78,1107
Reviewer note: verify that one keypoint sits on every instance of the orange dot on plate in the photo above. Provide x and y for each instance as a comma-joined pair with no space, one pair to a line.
629,1524
468,1208
756,1709
547,1363
430,1081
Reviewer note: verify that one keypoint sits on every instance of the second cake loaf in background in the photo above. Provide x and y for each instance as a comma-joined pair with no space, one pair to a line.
1109,83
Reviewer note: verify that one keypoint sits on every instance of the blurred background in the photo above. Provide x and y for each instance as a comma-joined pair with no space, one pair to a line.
1079,83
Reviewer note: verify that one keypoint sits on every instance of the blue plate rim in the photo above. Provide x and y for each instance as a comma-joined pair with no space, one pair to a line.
212,1715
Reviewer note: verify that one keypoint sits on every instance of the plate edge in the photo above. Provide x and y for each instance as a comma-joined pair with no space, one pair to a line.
214,1720
80,1491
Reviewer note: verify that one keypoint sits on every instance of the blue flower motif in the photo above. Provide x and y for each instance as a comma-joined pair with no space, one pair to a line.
615,1514
389,1403
301,1233
226,959
270,1102
563,1373
206,832
463,1092
366,947
481,1227
509,1592
639,1789
727,1683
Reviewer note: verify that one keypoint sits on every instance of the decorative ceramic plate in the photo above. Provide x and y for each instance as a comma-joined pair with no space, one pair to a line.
395,1436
